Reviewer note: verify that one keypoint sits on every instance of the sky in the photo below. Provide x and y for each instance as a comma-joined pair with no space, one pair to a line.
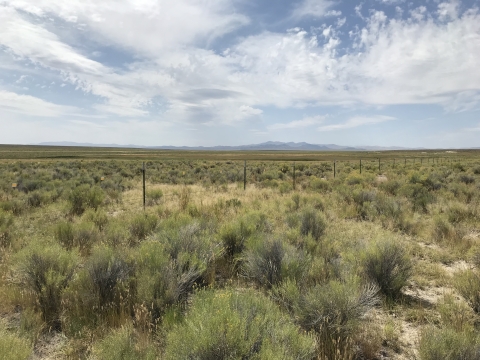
235,72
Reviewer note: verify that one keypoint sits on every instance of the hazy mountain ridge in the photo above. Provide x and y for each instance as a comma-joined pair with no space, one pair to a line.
266,146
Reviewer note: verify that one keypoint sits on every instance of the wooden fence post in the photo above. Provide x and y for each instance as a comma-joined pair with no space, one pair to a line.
334,168
143,172
294,175
360,166
245,175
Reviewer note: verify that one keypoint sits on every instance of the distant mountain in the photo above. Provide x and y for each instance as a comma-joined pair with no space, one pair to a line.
266,146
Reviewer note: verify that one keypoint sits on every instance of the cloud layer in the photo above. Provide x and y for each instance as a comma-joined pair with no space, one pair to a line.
185,61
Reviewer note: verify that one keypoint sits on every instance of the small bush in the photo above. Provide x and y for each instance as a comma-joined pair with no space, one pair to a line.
312,223
467,179
107,272
6,224
98,217
334,312
458,213
234,236
447,344
320,185
271,262
122,344
264,264
13,347
231,325
456,314
387,265
142,225
154,196
162,281
47,272
84,197
467,284
65,234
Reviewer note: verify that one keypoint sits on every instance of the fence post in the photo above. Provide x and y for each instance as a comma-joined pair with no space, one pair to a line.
379,165
334,169
405,161
294,175
394,163
245,175
360,166
143,172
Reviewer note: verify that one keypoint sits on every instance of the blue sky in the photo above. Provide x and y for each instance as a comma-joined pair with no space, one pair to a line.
232,72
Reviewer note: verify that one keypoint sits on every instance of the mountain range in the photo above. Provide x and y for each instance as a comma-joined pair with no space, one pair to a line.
266,146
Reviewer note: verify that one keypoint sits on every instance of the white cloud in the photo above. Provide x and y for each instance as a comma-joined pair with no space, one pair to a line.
392,61
316,8
29,105
356,122
303,123
144,26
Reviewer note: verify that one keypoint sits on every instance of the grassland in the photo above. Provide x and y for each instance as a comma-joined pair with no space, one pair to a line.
382,264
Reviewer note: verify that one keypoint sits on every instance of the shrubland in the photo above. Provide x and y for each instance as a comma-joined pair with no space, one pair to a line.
357,266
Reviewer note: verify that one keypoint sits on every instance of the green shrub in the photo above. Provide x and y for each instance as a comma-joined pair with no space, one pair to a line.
98,217
285,187
142,225
271,262
107,272
122,344
162,281
458,212
234,236
312,223
13,347
336,307
320,185
448,344
334,311
467,284
65,234
264,264
466,179
6,224
236,325
84,197
46,272
456,314
154,196
387,264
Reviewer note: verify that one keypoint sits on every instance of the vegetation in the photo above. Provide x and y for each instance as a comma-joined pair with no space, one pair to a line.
352,266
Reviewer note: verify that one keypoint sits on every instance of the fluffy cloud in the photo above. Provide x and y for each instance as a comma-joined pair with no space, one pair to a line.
356,122
305,122
27,105
426,59
317,8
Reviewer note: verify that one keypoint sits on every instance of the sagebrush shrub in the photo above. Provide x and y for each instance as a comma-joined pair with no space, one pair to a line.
467,284
264,264
236,325
448,344
387,264
107,272
12,346
122,344
84,197
234,236
313,223
47,271
142,225
6,224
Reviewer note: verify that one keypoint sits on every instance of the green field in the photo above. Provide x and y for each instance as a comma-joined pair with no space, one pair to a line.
382,263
